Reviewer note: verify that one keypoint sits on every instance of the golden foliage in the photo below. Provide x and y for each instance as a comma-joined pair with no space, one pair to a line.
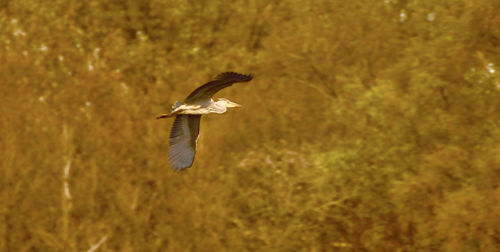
369,126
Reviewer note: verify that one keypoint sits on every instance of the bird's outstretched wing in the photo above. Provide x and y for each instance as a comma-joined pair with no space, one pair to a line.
182,141
222,80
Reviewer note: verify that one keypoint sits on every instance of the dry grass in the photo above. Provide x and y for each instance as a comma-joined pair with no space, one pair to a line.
364,129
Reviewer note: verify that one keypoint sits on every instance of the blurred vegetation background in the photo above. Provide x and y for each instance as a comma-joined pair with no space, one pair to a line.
369,126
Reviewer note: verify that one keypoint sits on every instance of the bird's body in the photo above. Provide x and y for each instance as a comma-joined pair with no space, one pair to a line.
185,129
202,108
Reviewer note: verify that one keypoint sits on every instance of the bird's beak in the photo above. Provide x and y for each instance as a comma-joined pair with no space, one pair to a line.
236,105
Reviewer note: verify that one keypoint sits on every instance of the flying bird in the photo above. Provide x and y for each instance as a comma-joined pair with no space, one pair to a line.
186,127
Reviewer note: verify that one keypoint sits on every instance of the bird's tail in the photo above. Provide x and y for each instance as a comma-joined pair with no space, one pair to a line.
172,111
176,105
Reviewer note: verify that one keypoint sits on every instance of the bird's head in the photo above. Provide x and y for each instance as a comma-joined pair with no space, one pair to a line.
227,103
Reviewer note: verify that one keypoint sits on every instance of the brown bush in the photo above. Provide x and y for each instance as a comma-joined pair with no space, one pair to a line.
369,126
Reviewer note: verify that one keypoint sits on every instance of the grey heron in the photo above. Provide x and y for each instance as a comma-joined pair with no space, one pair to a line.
186,127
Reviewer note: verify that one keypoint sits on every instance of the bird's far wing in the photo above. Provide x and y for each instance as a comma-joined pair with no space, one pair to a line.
182,141
223,80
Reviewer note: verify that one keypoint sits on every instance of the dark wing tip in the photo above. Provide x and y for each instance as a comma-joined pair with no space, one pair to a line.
234,77
181,164
221,81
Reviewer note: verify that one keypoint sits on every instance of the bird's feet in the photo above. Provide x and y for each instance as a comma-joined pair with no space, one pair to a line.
163,116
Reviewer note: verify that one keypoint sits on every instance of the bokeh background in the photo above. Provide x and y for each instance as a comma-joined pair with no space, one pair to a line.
369,125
